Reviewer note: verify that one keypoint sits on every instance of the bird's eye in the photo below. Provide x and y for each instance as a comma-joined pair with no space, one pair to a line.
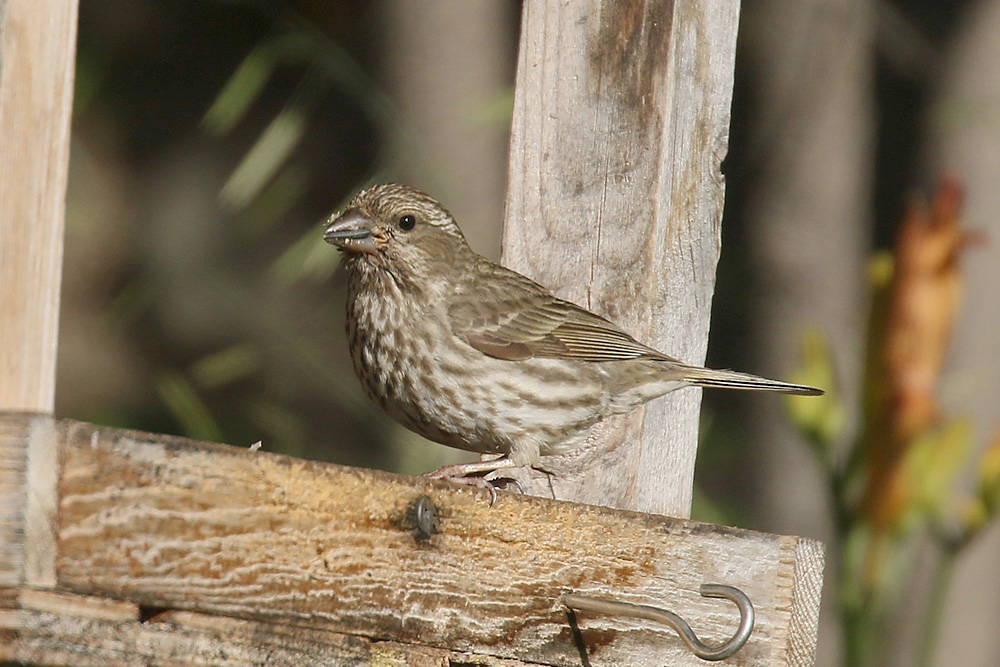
407,222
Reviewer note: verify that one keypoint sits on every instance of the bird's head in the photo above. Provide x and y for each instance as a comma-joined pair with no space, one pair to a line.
395,226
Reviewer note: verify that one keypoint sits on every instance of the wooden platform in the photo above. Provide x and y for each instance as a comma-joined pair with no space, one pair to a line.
114,537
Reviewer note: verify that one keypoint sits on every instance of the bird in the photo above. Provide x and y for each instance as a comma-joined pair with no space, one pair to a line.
473,355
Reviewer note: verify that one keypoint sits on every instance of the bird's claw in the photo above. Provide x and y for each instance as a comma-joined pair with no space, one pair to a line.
476,474
503,482
474,481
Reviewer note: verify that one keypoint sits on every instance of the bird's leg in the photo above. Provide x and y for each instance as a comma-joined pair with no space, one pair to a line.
471,474
458,471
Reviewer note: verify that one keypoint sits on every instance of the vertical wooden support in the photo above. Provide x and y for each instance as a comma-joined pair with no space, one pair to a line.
621,121
37,49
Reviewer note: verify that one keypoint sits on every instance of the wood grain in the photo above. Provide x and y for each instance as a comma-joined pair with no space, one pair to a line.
37,48
171,523
45,628
621,121
29,447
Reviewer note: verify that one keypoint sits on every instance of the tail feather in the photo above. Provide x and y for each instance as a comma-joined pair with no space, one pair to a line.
707,377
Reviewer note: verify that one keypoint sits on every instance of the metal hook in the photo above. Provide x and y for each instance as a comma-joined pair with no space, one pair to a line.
690,639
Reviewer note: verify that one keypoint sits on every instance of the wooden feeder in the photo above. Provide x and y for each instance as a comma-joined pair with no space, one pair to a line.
126,548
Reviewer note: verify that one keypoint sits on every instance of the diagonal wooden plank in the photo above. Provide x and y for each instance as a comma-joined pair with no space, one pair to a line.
168,522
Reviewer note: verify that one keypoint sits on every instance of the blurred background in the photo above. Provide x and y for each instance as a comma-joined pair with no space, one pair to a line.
212,138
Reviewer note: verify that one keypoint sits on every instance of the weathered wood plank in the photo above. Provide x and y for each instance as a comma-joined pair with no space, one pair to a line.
53,629
29,447
621,121
13,495
172,523
37,48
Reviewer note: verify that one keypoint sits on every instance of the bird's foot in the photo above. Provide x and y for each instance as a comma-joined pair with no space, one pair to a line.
480,474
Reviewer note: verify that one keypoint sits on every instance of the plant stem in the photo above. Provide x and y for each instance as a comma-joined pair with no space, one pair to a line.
858,633
935,605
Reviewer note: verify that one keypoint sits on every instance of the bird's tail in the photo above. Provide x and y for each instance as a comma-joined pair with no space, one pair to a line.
707,377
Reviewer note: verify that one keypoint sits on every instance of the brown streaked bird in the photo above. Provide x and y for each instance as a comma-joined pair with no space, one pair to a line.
476,356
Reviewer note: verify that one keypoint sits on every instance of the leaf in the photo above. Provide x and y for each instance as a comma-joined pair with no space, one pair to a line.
187,407
820,418
242,90
933,463
273,147
989,476
226,366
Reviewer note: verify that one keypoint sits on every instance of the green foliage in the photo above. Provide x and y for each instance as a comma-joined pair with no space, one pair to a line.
819,418
876,561
936,458
184,403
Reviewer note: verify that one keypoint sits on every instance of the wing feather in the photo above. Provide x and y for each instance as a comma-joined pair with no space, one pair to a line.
515,318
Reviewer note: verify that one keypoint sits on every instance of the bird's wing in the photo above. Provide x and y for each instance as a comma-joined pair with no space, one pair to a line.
515,318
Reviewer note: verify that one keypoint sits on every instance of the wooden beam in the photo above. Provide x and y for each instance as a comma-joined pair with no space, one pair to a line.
615,195
46,628
37,49
165,522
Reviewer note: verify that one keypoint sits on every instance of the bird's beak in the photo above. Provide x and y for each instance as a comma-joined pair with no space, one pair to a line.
352,231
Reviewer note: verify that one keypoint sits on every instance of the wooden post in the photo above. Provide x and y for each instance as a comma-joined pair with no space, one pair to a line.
37,47
621,121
